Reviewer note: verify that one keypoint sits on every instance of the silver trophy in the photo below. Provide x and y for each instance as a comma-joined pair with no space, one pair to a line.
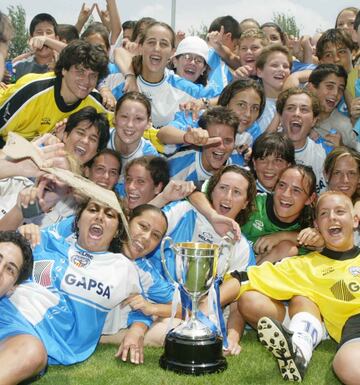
193,347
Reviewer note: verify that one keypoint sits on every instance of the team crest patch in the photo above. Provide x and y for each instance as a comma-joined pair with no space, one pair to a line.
258,225
206,237
81,258
42,272
354,271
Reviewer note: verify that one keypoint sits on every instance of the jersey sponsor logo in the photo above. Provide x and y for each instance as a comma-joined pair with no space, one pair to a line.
327,270
88,284
342,291
81,258
320,186
206,237
258,224
42,272
45,121
354,271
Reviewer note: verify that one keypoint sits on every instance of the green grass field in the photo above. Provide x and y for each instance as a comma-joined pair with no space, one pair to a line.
254,366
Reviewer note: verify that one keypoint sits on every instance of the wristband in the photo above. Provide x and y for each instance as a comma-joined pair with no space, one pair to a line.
128,74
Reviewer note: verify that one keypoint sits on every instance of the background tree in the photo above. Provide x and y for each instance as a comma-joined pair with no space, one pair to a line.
200,31
287,23
19,42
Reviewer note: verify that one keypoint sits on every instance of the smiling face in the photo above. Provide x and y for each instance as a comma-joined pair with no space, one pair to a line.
189,66
276,70
345,176
215,156
268,169
82,141
246,105
11,261
290,195
98,224
139,186
156,51
336,221
105,171
229,196
146,231
298,118
249,50
77,83
329,92
131,120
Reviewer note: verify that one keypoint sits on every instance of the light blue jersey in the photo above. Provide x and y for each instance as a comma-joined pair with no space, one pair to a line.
166,95
220,72
66,300
154,287
144,148
186,224
188,166
113,79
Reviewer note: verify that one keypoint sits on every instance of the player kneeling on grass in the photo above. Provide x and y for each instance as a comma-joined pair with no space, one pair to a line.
16,261
329,279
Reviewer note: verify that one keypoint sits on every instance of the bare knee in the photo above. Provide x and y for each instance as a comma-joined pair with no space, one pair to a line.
21,357
33,354
346,363
254,305
299,304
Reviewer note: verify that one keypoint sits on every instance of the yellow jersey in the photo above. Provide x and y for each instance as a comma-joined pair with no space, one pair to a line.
33,105
330,279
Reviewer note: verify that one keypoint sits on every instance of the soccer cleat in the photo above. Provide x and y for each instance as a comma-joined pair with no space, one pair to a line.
277,340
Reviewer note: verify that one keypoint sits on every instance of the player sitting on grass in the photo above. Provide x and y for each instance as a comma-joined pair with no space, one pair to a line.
329,279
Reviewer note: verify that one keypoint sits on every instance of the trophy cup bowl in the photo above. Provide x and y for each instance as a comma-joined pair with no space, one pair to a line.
192,347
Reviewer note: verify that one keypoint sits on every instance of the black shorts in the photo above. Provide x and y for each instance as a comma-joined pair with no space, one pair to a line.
351,330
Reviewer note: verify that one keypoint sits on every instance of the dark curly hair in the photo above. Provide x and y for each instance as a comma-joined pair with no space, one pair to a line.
22,243
79,52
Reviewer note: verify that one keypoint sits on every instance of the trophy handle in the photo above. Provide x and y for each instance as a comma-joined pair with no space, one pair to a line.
227,243
163,259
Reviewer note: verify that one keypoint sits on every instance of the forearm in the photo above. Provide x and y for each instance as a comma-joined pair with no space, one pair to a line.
115,23
170,135
11,220
159,201
164,310
54,44
123,59
79,25
228,56
202,204
286,236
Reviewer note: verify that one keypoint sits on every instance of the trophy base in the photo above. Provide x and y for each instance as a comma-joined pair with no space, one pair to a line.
193,356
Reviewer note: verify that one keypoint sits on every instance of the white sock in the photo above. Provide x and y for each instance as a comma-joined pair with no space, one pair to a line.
307,331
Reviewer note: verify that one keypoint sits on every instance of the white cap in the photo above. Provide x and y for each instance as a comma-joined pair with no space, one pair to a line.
194,45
